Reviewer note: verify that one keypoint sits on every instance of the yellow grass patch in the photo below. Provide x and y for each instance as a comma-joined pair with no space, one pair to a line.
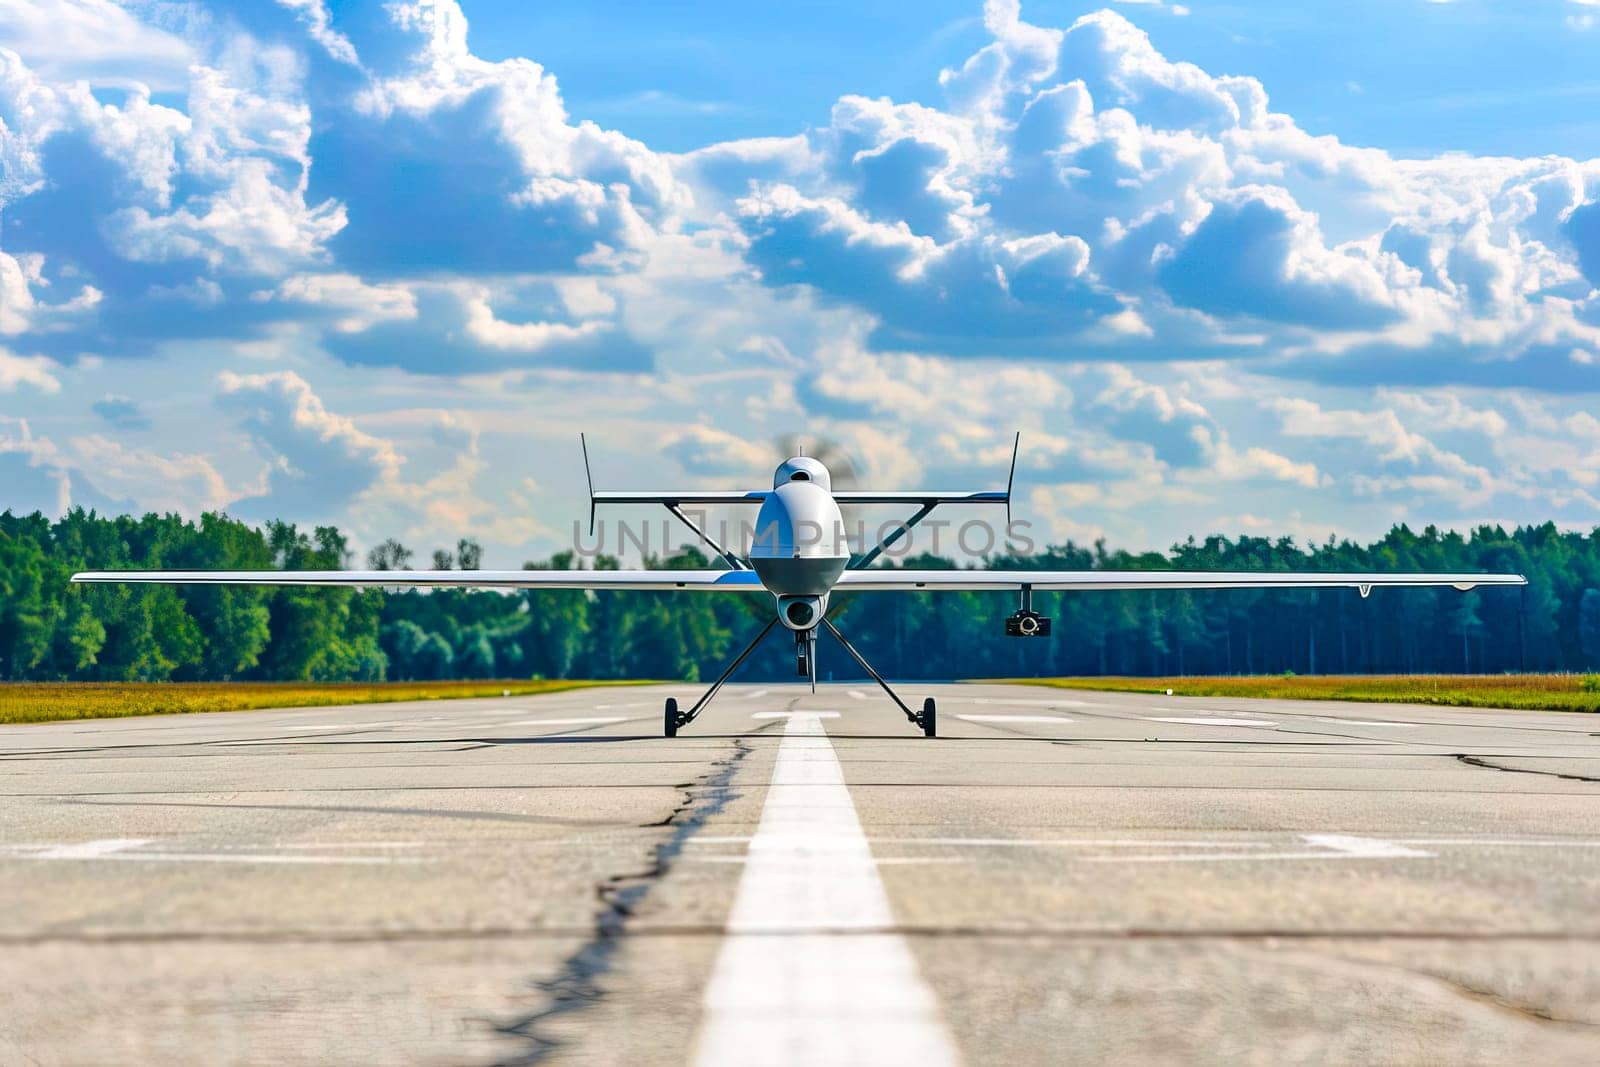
56,701
1540,692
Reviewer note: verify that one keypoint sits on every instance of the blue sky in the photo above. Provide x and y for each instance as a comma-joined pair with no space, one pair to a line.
1491,77
1301,268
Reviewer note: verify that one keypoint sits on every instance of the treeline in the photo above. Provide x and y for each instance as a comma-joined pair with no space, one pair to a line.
50,629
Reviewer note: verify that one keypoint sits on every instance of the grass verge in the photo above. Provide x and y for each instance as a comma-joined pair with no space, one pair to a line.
1534,692
57,701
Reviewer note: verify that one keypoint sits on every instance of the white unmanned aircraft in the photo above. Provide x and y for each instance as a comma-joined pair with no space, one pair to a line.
799,556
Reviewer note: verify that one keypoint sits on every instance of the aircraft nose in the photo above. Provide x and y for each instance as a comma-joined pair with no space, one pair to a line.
799,519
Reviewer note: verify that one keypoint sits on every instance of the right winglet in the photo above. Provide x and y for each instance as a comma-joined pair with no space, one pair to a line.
1016,443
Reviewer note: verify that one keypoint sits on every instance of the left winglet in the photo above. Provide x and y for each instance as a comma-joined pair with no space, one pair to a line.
583,443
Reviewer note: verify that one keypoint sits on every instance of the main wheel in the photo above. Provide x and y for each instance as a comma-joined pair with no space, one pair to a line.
671,717
930,719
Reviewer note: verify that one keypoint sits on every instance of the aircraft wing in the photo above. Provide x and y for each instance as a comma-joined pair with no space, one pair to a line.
980,579
758,496
923,496
686,496
714,581
886,579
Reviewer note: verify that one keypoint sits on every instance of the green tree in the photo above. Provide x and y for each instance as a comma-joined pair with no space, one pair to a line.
28,610
1589,626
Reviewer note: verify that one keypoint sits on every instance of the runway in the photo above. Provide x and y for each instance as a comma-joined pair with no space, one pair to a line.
802,878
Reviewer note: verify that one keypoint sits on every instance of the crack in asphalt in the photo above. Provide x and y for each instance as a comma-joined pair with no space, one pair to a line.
1329,958
577,985
1479,761
1517,1008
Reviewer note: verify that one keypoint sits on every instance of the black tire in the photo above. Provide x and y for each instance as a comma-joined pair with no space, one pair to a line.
930,719
671,717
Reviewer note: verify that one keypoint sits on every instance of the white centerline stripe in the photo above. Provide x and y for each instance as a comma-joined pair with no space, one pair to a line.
1014,718
815,997
1217,722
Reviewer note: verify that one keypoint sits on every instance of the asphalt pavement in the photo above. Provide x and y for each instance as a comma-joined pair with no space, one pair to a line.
1061,876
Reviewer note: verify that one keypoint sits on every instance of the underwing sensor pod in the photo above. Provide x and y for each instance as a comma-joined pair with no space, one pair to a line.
798,558
1026,622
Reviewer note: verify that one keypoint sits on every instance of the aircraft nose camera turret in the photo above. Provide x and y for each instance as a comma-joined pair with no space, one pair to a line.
801,612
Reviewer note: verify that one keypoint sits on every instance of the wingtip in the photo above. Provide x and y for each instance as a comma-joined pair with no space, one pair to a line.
588,476
1011,477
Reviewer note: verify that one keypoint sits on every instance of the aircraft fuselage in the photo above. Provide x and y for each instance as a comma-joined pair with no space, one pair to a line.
798,549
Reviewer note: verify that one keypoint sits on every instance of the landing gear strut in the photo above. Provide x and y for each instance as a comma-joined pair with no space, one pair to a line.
806,662
675,719
928,718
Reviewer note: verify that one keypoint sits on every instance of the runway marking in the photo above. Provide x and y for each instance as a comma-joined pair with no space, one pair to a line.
1495,842
1025,842
1324,847
888,861
757,695
601,720
365,725
1373,722
818,997
814,842
1015,718
1349,845
87,850
261,857
856,694
792,714
126,849
1035,703
1215,721
359,844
